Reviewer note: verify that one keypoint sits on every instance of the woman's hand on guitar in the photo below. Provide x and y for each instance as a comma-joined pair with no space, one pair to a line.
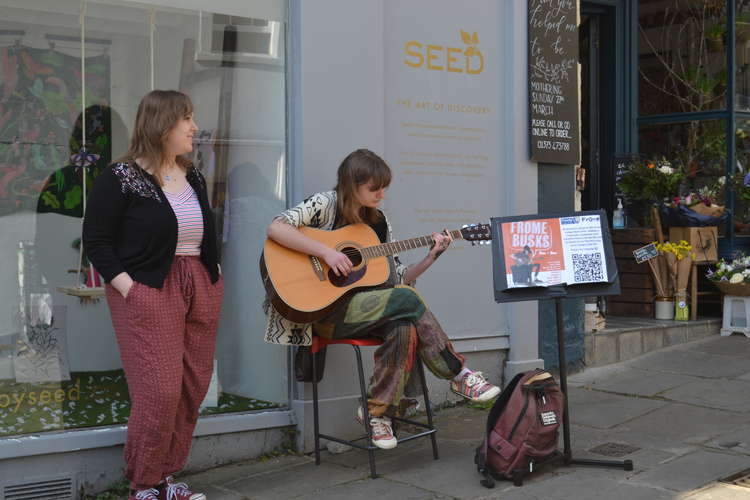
441,243
339,262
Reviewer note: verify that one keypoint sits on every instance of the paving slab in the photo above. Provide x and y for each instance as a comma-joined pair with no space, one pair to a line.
693,470
744,377
586,483
720,492
243,470
688,362
642,383
454,474
716,393
679,423
356,458
373,489
292,482
736,441
735,346
602,410
586,438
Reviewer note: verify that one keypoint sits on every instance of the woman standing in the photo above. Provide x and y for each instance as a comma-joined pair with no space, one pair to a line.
395,313
149,231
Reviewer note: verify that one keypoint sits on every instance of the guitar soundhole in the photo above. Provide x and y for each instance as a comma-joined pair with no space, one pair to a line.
353,255
354,276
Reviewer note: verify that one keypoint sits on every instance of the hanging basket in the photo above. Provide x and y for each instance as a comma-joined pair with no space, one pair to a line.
737,289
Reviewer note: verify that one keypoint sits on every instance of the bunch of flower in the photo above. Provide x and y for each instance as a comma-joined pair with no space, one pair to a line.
680,250
707,195
650,180
736,271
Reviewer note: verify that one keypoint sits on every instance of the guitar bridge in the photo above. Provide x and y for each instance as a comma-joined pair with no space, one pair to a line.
317,268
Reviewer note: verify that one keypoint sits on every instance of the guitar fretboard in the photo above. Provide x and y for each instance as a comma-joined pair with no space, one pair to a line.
403,245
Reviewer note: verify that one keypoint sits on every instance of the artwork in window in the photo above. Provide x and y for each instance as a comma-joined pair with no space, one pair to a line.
40,128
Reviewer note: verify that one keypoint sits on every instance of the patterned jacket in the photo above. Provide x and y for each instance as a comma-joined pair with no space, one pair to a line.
318,211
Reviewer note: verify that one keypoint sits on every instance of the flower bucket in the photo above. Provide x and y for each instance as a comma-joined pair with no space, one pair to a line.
664,308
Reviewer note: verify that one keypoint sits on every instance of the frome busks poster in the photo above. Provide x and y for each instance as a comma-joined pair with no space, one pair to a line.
553,251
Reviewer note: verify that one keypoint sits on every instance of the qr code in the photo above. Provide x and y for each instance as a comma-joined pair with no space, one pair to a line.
587,267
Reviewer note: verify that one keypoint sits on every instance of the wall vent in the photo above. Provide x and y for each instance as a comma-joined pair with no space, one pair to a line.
58,488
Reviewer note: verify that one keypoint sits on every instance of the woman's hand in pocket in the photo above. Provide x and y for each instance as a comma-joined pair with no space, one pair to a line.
123,283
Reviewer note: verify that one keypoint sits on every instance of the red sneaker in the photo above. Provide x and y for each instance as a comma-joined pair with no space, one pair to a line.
149,494
171,490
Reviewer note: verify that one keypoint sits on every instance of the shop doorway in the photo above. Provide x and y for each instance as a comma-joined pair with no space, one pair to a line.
598,109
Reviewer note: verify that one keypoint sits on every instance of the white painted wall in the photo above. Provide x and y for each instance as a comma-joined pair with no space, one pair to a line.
338,106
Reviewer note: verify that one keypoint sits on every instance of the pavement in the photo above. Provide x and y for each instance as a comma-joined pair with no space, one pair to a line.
682,414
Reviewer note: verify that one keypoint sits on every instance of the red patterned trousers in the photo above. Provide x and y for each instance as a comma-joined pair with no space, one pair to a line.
167,339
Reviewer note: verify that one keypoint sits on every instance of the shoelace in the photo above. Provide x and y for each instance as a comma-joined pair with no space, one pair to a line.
150,494
475,379
176,488
379,426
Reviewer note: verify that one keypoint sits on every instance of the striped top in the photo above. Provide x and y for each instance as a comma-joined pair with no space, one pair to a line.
189,221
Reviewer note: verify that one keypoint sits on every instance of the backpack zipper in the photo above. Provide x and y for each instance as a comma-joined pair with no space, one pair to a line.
520,416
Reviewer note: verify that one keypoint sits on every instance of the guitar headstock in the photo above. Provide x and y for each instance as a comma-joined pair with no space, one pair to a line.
477,233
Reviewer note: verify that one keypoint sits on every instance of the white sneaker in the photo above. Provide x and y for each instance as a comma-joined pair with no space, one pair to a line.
382,430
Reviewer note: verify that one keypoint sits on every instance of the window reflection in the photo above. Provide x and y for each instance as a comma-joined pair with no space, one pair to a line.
681,56
57,352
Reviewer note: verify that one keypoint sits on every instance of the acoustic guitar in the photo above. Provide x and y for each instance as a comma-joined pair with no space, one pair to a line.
304,289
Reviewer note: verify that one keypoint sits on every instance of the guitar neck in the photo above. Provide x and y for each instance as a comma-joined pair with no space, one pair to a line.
401,246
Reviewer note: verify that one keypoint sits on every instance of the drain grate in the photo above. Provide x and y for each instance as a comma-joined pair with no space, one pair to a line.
741,478
614,449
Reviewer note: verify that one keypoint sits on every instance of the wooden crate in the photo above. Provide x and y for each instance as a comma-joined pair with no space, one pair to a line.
703,239
636,284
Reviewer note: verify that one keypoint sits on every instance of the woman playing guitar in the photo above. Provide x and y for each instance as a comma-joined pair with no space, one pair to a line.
393,312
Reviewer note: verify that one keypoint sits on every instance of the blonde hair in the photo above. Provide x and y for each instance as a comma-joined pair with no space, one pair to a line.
358,168
158,113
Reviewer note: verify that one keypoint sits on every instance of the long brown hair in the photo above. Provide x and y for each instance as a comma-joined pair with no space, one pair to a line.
358,168
158,112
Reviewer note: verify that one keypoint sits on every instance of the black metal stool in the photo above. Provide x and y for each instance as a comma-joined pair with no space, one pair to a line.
320,342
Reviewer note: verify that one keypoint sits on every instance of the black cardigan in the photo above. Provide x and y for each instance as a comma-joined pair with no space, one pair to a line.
130,226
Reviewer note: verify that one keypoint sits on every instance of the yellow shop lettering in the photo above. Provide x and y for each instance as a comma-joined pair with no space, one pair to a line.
14,400
439,58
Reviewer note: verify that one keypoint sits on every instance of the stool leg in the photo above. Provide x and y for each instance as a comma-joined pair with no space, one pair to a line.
365,410
316,429
428,407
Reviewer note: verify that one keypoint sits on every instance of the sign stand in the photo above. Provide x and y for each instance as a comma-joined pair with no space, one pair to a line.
567,453
505,292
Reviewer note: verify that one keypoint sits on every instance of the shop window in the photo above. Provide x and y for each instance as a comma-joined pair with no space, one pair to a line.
742,56
681,56
698,148
59,362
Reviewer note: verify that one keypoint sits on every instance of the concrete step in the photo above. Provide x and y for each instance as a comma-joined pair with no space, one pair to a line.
626,338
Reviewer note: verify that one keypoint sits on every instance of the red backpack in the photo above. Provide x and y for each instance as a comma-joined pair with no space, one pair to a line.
522,428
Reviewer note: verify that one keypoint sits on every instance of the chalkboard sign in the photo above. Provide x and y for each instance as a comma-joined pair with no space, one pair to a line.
645,253
554,134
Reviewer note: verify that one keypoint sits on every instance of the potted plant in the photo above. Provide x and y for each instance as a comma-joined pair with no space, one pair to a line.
715,37
646,182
